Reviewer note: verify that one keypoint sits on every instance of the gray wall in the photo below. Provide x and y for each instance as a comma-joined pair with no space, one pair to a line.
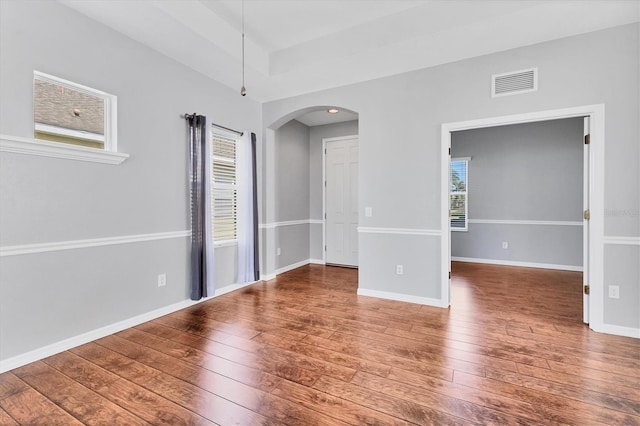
525,172
400,121
47,297
316,134
292,204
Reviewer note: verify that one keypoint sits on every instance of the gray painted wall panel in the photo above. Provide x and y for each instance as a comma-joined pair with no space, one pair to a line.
292,160
49,297
413,252
623,270
293,241
292,186
552,245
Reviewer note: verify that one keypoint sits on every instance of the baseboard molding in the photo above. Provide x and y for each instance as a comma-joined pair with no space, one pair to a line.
619,330
516,263
293,266
401,297
72,342
232,287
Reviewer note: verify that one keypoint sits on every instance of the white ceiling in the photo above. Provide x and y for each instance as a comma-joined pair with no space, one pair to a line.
300,46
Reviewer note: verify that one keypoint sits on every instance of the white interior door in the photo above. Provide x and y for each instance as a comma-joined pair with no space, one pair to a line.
341,202
585,225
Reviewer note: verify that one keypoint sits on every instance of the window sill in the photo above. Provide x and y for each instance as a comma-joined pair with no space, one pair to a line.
30,146
460,229
228,243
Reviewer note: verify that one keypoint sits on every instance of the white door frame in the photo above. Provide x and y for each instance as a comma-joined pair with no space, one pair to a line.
324,188
595,190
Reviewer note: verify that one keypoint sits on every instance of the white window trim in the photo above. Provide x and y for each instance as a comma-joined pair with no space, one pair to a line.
78,134
107,155
225,243
31,146
466,196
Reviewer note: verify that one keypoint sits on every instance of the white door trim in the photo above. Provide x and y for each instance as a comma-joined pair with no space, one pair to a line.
324,188
596,195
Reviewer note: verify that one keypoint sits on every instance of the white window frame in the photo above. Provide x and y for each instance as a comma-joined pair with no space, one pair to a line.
107,155
230,136
466,160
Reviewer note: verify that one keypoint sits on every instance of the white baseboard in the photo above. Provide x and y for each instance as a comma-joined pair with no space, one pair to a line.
619,330
288,268
72,342
516,263
292,266
401,297
231,287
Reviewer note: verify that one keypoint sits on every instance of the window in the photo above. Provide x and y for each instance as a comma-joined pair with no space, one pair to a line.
224,189
69,113
458,193
71,122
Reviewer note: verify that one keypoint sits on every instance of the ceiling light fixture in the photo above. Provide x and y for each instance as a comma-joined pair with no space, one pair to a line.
333,110
243,90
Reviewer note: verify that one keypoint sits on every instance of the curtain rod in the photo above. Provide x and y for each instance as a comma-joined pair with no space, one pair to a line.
188,116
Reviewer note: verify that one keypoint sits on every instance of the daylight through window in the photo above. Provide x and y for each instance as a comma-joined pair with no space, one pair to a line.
224,189
458,194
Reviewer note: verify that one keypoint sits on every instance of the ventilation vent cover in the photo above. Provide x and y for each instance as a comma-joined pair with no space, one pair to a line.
512,83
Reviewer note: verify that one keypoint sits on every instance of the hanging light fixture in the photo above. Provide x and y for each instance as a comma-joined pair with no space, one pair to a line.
243,90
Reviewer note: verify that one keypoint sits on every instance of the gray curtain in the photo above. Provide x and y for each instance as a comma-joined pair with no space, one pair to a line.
198,183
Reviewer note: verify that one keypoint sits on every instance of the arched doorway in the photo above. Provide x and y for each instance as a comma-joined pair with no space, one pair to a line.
292,187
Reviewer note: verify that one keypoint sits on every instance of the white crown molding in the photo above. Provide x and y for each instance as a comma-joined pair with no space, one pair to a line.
93,242
625,241
400,231
526,222
517,263
30,146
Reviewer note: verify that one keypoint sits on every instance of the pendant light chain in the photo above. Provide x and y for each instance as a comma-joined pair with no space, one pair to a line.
243,91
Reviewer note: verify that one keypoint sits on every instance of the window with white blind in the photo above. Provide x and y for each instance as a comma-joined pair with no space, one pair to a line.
458,184
224,189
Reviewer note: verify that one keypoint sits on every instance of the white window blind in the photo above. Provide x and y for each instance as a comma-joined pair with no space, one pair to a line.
458,183
224,188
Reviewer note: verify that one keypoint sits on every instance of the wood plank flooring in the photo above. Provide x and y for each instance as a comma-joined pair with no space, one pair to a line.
304,349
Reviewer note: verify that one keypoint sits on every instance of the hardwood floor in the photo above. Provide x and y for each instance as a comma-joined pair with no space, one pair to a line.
304,349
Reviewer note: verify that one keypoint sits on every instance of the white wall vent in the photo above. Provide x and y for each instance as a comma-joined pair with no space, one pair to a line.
515,82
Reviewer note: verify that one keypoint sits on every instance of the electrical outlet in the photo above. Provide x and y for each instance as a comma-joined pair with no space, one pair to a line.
614,292
368,211
162,280
505,245
278,251
399,269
